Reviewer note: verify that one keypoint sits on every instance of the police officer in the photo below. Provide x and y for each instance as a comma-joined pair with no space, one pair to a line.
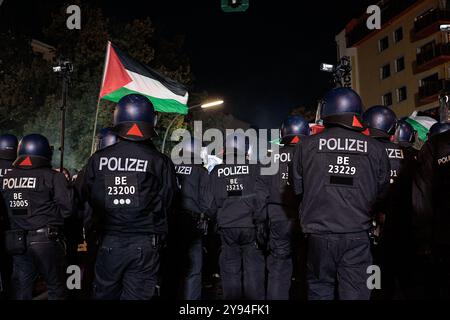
8,153
241,219
129,186
438,128
395,250
282,211
191,217
37,199
339,174
431,202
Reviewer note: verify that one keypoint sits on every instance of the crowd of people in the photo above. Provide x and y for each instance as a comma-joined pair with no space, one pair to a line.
352,195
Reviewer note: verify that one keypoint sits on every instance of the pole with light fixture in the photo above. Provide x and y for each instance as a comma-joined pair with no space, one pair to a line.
202,106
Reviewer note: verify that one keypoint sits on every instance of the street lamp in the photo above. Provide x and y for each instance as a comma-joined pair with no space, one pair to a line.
202,106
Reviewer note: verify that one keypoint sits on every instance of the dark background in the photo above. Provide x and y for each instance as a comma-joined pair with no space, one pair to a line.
263,62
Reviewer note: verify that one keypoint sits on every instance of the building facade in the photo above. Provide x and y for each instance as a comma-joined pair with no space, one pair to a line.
405,64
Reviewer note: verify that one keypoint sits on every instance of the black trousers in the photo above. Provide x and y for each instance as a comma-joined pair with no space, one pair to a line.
280,261
337,263
126,268
45,257
242,265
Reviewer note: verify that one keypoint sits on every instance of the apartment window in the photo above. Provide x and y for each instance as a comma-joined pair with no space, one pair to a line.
429,80
398,35
383,44
400,64
402,94
385,71
387,99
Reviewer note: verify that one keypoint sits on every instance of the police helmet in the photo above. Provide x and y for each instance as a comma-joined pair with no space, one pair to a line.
341,106
405,132
8,147
292,128
438,128
134,118
34,149
106,137
381,118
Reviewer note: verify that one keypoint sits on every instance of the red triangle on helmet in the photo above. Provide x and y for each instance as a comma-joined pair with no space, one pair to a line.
295,140
356,123
366,132
26,162
135,131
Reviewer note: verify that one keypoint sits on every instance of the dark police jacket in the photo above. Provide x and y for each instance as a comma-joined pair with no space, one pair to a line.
282,201
130,186
397,206
341,174
431,192
5,167
36,197
193,184
237,195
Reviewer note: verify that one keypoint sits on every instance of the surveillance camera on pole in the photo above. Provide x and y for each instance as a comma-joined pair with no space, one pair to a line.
445,28
63,69
326,67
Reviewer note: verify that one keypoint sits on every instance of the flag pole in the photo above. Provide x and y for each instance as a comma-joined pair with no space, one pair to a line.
94,131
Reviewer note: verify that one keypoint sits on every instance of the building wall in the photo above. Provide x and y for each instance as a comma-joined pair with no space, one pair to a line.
368,60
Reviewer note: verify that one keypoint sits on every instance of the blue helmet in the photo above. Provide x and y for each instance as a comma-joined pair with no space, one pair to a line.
134,118
342,106
340,101
438,128
8,147
34,149
381,118
106,137
293,127
405,132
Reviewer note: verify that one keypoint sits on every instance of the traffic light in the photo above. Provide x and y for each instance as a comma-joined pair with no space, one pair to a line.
235,5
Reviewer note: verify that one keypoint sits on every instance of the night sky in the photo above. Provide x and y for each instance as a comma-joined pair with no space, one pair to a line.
263,62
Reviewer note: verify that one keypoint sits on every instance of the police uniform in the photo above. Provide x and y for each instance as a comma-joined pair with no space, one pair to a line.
282,211
37,199
239,206
431,201
340,175
130,186
190,215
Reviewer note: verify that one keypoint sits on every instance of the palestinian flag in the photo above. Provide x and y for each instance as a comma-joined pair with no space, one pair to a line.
123,76
421,124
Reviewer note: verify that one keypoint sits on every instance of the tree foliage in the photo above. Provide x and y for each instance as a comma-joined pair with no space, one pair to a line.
30,94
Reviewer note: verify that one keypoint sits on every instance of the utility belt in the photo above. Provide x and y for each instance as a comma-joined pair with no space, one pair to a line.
16,240
200,220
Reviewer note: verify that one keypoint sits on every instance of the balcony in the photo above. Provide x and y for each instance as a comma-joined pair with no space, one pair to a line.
431,57
430,90
429,23
390,9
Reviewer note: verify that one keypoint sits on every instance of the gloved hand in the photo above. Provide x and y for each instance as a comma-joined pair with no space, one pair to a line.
202,224
262,235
